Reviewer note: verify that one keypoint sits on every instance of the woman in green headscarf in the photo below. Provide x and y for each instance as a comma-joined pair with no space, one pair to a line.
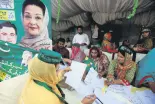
122,70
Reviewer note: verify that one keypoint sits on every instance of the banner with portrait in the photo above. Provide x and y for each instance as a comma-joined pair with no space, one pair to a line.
26,22
24,25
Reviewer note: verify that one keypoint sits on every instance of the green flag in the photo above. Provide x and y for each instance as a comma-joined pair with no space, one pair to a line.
14,60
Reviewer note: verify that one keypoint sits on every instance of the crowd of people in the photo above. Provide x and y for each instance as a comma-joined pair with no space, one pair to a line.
44,83
125,63
123,70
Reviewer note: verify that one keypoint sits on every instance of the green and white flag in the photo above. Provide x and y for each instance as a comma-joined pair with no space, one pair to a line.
14,60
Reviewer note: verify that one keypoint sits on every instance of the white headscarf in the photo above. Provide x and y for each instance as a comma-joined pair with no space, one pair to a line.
43,38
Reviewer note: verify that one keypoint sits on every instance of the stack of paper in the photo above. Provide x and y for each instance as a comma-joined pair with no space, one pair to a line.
91,74
74,77
146,97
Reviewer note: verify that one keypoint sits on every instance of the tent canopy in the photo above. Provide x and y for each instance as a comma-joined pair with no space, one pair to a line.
77,12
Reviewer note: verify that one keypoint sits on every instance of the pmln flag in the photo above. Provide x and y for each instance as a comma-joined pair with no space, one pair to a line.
14,60
25,26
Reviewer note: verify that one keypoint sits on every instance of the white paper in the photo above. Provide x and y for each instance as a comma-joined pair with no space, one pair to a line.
97,82
74,77
62,67
146,97
107,98
116,88
84,90
123,94
91,74
116,94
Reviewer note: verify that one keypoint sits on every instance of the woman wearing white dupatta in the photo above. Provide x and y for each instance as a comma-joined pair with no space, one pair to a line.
35,20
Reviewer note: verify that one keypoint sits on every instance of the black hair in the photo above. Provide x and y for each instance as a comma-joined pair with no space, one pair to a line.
8,24
123,49
61,40
124,42
80,27
68,39
34,2
98,51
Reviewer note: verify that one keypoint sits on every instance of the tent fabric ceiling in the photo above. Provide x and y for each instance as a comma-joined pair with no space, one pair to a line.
102,12
68,9
81,19
102,18
62,25
146,19
111,6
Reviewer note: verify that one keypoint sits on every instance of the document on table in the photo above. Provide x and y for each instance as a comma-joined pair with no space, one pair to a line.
146,97
91,74
108,97
84,89
120,89
123,93
97,82
74,77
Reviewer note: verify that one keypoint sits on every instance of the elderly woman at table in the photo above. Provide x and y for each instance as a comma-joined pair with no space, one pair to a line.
122,70
146,71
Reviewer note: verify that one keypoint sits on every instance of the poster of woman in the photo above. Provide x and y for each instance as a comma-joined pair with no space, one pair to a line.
25,28
32,21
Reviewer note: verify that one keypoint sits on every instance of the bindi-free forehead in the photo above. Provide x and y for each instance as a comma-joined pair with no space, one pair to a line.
33,10
8,30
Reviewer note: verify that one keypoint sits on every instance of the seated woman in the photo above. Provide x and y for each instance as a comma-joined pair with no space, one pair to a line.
96,60
107,45
146,71
128,44
122,70
41,87
77,54
145,42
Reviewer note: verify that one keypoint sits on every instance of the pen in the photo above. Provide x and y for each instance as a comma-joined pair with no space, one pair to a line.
63,62
99,100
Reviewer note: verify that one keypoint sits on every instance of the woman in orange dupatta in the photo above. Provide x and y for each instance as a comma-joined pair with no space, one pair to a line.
107,45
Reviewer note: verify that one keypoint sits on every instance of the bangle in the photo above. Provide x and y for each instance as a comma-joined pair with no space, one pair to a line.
125,82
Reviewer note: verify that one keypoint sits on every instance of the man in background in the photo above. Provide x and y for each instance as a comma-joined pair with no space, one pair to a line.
8,32
81,39
60,48
145,43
